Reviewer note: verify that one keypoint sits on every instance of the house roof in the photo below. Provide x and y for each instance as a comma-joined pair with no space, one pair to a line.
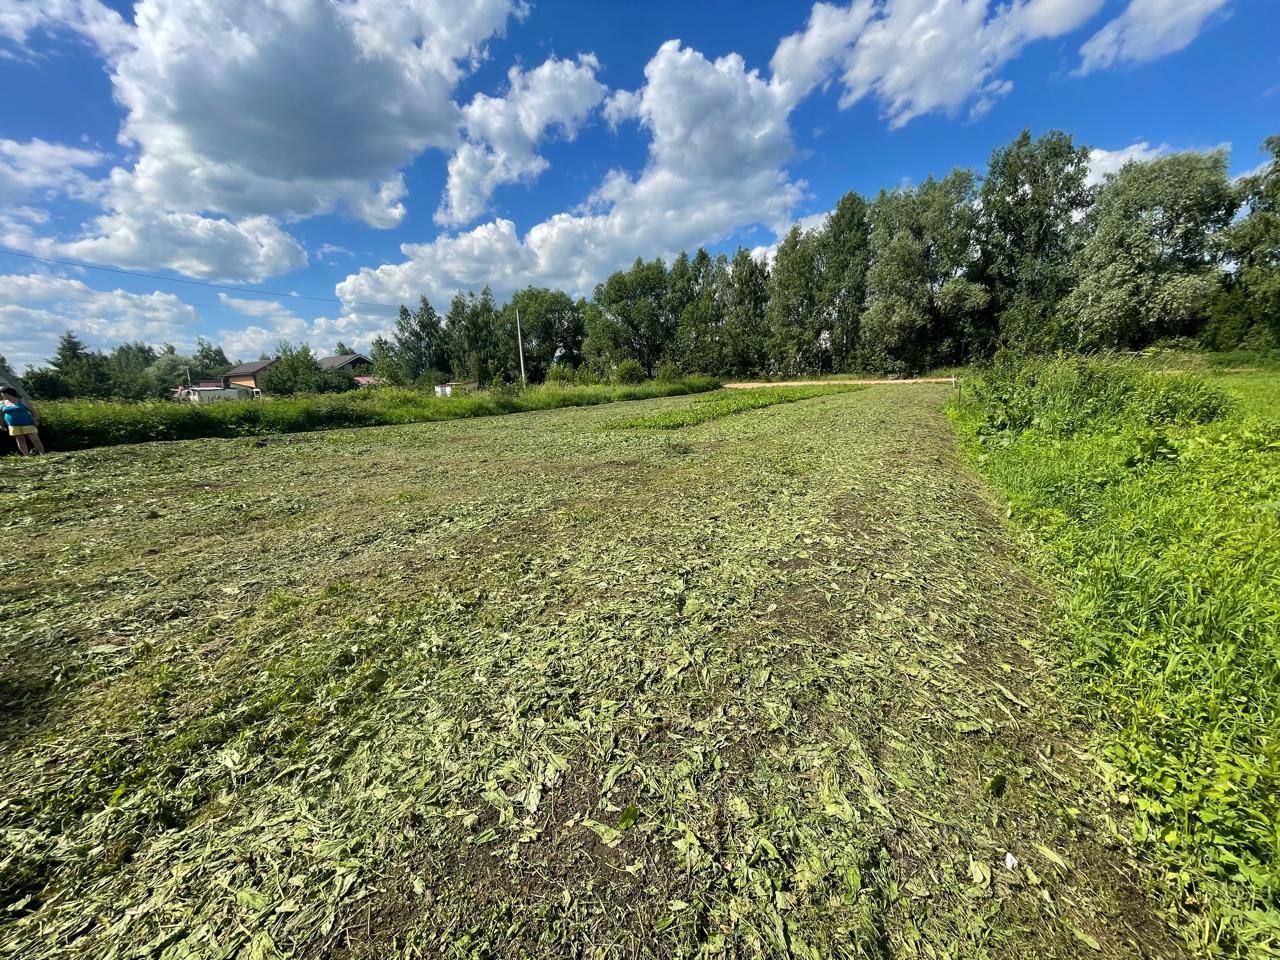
333,363
245,369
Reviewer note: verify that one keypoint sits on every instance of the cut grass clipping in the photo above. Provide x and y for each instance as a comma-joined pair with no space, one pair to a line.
1159,504
77,424
531,687
724,404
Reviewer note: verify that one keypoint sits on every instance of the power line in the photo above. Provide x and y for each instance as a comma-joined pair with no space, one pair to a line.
195,283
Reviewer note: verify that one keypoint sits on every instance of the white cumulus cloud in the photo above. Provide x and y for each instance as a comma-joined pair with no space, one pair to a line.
719,142
35,309
96,22
241,115
292,109
503,132
37,169
920,56
1103,163
275,321
215,248
1146,30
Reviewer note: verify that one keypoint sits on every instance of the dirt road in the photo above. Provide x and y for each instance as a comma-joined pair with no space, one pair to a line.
748,385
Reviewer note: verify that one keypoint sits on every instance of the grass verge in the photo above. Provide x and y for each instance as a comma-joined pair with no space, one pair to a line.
77,424
1158,500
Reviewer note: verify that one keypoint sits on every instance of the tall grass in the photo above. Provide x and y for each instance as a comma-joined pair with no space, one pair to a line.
1159,503
76,424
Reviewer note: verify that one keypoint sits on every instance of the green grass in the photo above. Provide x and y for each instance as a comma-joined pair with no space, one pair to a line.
1257,393
727,403
1159,507
774,686
78,424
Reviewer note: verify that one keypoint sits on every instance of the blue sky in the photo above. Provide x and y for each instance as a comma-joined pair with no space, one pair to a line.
369,151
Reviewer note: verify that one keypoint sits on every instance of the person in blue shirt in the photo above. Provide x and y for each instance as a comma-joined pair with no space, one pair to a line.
21,421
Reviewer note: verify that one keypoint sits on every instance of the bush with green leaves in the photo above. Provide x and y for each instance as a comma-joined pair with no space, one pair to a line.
1155,497
629,372
1063,394
667,372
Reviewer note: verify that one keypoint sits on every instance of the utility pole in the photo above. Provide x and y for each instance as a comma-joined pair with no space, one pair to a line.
520,347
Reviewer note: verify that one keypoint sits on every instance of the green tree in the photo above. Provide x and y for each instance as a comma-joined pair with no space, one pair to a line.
418,347
794,311
1247,310
552,328
168,370
296,371
1150,268
681,286
479,346
844,252
128,367
386,365
701,339
340,349
1029,227
208,361
746,304
921,308
631,318
76,371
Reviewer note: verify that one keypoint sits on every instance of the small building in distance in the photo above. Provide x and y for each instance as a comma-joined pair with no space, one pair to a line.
346,362
246,375
456,387
212,391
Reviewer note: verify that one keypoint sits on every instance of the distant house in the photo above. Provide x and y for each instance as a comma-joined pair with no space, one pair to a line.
346,362
246,375
456,387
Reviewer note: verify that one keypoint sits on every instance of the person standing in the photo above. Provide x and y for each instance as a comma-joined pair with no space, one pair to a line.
22,422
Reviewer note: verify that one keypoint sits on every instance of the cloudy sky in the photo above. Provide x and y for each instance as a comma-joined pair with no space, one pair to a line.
358,153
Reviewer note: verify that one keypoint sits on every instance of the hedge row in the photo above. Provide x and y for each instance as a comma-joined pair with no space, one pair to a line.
77,424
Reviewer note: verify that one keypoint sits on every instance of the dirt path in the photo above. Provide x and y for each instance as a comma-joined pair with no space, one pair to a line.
818,383
772,686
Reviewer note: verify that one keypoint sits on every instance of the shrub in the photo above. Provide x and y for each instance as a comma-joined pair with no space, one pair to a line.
630,372
558,373
1064,394
667,372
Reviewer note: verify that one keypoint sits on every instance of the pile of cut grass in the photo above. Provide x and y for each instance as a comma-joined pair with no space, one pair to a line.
1157,500
77,424
726,404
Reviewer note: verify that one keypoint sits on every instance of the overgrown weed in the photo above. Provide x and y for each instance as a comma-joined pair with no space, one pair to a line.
1159,503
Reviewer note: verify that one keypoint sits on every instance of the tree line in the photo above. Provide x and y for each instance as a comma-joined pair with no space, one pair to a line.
130,371
1029,257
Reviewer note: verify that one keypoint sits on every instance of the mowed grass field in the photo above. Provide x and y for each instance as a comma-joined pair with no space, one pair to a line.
623,681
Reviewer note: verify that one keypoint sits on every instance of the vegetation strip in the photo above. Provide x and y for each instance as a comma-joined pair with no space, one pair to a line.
77,424
1158,506
726,404
533,688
